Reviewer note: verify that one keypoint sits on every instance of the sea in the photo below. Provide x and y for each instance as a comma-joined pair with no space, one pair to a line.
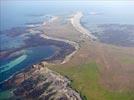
20,13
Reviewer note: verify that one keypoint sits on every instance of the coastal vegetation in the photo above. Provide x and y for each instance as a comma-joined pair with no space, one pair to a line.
85,79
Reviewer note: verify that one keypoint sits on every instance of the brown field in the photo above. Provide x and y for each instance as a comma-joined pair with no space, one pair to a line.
98,71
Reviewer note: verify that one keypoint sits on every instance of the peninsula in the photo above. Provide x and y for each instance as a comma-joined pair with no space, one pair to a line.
75,21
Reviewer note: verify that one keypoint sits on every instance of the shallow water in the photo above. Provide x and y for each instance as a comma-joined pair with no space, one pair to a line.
24,58
12,63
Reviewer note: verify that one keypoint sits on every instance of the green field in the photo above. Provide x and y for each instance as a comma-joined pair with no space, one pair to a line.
128,60
85,79
5,95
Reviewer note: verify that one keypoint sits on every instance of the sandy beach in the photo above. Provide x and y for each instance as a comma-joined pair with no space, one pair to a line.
75,21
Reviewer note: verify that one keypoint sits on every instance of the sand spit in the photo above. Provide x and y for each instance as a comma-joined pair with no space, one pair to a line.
75,21
67,58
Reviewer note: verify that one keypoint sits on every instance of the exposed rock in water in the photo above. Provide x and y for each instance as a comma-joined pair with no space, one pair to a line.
41,83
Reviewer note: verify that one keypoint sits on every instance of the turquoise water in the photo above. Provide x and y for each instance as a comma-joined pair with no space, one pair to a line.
12,63
24,58
15,13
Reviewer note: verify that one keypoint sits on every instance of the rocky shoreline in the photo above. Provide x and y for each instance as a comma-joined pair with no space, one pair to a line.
40,83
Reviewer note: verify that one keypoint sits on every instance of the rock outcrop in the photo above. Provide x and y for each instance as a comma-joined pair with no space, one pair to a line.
41,83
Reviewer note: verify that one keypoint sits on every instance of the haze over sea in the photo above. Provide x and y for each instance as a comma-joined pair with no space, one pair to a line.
15,13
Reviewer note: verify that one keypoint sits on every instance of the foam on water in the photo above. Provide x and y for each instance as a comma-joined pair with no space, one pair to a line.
13,63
